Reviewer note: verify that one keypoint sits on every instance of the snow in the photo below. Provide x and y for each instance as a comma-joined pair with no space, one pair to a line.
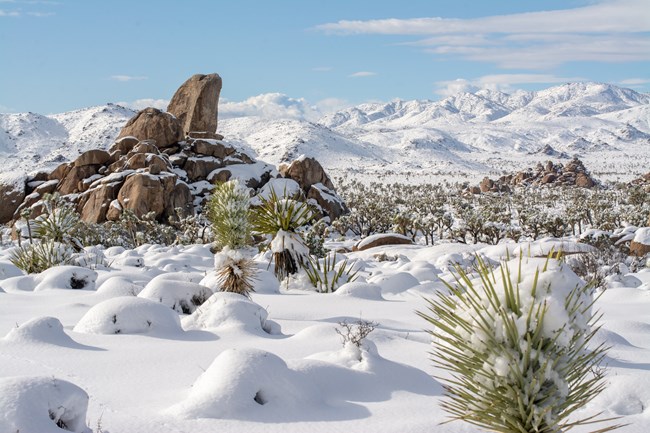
642,236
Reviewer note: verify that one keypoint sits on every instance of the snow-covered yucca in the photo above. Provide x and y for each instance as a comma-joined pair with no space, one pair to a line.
281,218
229,213
39,256
235,272
516,345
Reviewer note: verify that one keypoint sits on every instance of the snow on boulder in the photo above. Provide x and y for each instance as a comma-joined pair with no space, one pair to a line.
395,283
181,296
249,384
640,245
42,405
381,240
119,286
41,330
280,187
360,290
128,315
226,310
66,277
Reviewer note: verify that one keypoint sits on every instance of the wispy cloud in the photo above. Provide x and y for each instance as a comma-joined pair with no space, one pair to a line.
362,74
606,31
5,109
4,13
125,78
41,14
635,81
502,82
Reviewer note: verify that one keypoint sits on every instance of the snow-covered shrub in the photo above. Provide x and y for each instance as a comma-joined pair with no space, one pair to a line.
66,277
43,405
229,213
326,274
517,346
59,221
281,218
355,333
38,256
181,296
128,315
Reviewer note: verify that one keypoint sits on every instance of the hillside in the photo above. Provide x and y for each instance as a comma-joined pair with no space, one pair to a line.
486,132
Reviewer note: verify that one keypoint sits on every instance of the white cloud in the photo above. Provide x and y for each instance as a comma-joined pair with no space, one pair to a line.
280,106
125,78
362,74
605,31
5,109
140,104
4,13
635,81
503,82
40,14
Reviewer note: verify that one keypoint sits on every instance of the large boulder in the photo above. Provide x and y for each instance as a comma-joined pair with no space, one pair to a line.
380,240
12,194
156,125
143,193
307,172
195,103
92,157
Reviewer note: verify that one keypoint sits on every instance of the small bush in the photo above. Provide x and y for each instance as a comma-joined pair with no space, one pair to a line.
37,257
516,350
354,333
327,274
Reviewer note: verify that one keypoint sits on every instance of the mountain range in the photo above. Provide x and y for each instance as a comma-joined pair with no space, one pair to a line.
467,135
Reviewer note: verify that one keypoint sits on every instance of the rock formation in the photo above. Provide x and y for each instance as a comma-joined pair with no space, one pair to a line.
573,173
154,168
195,104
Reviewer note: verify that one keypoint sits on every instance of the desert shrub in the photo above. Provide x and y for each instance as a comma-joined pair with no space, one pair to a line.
59,221
314,238
356,332
516,345
39,256
229,213
326,274
281,218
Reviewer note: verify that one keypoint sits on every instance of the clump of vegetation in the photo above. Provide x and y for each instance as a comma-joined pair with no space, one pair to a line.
356,332
327,275
235,272
39,256
281,218
228,211
516,346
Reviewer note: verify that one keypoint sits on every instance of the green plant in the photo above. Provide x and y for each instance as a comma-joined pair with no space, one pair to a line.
281,218
58,222
36,257
229,213
517,348
327,274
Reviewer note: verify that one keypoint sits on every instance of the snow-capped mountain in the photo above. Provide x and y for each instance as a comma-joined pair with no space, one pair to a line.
486,132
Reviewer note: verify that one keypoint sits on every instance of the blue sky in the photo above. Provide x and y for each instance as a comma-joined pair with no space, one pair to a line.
66,54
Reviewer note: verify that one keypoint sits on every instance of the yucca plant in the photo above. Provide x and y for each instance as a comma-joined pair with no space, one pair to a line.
229,213
281,218
516,348
37,257
327,275
235,273
59,221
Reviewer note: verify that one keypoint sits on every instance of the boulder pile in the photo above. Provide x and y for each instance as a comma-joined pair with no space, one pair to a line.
165,163
572,173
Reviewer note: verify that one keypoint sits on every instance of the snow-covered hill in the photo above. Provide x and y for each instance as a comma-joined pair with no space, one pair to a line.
469,134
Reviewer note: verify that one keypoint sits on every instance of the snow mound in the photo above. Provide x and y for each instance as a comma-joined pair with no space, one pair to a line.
119,286
225,310
189,277
248,383
642,236
395,283
41,330
128,315
66,277
360,290
266,282
42,405
8,270
181,296
281,187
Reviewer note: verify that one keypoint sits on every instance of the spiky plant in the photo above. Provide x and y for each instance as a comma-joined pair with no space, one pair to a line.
326,274
59,221
229,214
281,218
235,273
36,257
517,348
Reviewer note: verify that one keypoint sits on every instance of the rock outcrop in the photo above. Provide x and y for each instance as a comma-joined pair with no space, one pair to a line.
154,168
573,173
195,103
12,193
152,124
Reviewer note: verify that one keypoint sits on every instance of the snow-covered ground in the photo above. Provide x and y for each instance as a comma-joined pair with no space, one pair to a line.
117,339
